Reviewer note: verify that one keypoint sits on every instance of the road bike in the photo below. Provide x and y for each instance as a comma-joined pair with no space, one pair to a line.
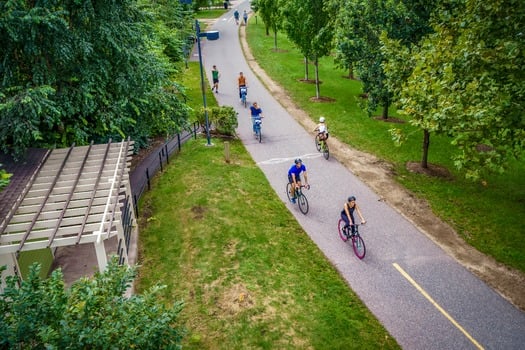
299,197
257,123
322,147
345,232
244,92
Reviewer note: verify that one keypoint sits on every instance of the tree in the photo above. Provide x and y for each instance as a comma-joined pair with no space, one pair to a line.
271,15
468,81
359,25
75,72
91,314
307,26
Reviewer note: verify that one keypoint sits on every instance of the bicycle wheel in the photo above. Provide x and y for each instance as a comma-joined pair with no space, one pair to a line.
326,151
259,133
288,189
359,246
340,225
317,143
244,100
303,203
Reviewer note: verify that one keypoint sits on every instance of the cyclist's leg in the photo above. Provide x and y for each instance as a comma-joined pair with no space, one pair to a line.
353,220
345,219
292,189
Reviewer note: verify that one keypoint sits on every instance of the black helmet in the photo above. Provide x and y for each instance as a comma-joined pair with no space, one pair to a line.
351,198
298,160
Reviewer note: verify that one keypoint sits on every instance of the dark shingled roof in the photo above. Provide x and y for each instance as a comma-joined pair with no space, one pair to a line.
22,171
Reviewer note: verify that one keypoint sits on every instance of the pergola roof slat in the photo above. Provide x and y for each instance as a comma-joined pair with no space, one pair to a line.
77,203
58,242
41,224
65,231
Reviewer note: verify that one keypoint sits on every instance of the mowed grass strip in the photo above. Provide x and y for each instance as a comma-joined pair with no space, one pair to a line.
478,211
221,240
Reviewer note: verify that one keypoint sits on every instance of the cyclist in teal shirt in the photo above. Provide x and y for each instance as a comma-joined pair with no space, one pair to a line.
294,176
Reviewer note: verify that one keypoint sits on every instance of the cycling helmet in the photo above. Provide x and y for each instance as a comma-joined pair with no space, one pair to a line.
298,160
351,198
321,120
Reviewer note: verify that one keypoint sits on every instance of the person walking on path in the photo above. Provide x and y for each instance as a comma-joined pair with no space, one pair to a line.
241,80
347,214
236,16
294,177
256,114
215,75
245,17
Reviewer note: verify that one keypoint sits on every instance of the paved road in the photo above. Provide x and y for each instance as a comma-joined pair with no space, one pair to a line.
423,297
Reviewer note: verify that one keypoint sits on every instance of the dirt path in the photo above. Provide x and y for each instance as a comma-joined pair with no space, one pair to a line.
377,174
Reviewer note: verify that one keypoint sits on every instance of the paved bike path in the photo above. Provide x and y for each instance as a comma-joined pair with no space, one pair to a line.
423,297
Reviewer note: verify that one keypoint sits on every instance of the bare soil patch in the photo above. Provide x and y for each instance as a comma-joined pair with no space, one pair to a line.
508,282
322,99
431,170
308,81
389,119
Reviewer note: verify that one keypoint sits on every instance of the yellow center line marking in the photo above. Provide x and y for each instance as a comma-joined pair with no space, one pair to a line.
436,305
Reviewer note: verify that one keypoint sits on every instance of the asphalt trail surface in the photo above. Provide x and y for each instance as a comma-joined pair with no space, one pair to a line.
424,298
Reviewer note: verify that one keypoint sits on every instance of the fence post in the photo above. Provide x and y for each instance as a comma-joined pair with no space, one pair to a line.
135,204
147,177
167,155
160,160
178,141
227,151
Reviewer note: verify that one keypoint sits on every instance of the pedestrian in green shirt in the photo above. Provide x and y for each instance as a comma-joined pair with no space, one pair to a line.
215,75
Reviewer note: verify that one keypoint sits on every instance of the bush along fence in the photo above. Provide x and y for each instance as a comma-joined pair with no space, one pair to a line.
141,175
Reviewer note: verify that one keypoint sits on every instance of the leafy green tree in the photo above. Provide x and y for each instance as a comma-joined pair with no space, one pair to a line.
468,82
359,25
271,15
92,314
307,24
77,71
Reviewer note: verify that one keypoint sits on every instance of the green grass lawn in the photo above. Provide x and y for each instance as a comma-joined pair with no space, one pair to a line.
250,277
476,211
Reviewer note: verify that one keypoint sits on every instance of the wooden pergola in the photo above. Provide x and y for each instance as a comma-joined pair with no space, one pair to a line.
77,195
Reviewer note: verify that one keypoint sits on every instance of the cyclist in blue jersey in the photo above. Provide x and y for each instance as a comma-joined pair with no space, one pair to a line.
294,177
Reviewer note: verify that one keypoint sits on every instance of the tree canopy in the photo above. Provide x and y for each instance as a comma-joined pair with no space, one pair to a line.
93,313
306,24
80,71
468,81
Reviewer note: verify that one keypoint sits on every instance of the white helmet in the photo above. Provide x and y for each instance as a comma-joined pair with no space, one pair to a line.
321,120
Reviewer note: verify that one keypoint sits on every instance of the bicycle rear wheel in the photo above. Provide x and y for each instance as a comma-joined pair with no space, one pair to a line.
340,228
326,151
244,103
259,134
359,246
303,203
317,143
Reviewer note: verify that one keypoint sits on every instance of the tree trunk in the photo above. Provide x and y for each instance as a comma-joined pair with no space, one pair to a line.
317,91
351,72
275,39
267,30
426,145
306,68
384,115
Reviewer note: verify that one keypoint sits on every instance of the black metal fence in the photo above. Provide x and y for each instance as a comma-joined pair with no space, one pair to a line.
140,177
